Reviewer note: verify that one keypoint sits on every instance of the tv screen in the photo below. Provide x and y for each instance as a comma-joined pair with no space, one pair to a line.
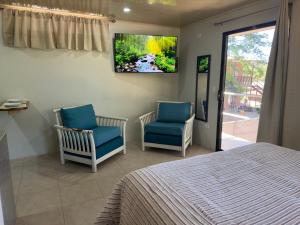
145,53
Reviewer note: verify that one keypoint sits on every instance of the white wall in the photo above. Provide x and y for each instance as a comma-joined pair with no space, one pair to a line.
58,78
202,38
50,79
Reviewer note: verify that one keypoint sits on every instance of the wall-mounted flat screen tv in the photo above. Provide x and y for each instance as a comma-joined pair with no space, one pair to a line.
135,53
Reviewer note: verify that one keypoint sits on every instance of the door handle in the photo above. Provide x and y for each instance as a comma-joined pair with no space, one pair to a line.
220,96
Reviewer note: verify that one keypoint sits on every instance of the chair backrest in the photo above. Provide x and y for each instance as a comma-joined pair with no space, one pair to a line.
57,117
177,112
57,114
82,117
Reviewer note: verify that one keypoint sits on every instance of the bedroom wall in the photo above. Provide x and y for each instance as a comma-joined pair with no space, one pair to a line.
202,38
50,79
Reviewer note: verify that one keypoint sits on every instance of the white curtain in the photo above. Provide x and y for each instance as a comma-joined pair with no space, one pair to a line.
25,29
291,122
271,115
279,119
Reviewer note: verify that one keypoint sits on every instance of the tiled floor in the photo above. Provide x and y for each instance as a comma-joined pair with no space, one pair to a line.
48,193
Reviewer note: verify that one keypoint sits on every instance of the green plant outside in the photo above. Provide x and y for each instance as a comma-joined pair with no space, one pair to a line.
241,47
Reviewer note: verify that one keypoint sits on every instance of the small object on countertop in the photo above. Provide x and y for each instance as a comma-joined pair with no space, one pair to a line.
15,100
14,105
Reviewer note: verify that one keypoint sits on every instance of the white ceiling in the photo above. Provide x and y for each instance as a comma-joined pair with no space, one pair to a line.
164,12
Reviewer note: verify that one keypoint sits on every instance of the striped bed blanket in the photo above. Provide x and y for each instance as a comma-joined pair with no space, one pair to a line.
255,184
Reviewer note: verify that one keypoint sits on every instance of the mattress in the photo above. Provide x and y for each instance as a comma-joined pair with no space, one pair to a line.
254,184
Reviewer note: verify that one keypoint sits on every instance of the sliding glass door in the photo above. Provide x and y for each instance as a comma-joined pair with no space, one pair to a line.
245,59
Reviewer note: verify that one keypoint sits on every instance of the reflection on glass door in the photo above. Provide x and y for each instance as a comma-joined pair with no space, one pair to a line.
247,58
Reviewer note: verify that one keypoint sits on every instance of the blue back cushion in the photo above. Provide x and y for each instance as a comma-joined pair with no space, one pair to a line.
82,117
173,112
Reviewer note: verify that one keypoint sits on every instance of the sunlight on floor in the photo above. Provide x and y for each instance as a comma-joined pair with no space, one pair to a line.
230,142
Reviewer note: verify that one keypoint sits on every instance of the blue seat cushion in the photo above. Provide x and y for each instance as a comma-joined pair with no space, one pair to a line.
109,146
173,112
103,149
82,117
103,134
163,139
175,129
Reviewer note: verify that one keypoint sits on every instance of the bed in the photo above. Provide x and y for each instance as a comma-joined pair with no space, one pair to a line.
255,184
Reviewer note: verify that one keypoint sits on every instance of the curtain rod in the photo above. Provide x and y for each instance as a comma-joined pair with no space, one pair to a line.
37,9
239,17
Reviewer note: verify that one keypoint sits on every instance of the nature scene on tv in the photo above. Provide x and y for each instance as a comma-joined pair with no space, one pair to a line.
144,53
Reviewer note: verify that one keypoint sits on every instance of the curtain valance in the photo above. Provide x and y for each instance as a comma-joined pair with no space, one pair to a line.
39,30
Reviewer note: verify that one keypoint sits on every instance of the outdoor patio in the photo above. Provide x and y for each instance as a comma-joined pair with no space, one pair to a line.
238,130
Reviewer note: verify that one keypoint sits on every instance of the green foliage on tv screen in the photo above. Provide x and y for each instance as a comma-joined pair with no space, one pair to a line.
164,63
143,53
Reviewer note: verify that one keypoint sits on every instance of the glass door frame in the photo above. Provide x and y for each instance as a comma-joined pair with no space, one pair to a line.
223,75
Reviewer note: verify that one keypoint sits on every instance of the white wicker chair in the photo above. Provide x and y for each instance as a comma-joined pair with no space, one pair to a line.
81,142
187,137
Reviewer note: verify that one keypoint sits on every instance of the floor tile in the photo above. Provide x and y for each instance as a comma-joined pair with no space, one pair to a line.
110,168
29,172
33,203
70,194
16,174
68,178
53,217
36,183
16,163
106,185
49,160
131,163
78,193
196,150
83,214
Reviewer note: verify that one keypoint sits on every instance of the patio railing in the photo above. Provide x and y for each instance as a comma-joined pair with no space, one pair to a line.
237,102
